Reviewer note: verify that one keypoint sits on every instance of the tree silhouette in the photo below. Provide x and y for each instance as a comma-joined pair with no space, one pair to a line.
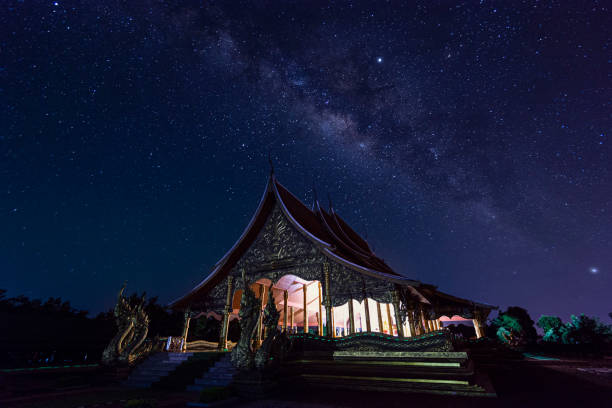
553,328
514,327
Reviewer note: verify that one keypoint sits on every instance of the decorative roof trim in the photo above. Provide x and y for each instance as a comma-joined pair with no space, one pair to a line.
348,239
295,223
457,299
419,295
371,272
336,237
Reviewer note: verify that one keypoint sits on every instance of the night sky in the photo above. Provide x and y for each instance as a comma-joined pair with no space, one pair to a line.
470,142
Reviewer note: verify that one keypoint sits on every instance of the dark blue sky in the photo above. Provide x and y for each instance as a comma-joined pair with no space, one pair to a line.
470,141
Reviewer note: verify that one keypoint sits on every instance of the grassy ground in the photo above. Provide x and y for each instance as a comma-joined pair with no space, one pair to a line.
110,397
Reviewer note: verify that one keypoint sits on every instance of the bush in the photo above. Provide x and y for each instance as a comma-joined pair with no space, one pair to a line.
586,330
462,330
514,327
553,328
582,330
212,394
582,335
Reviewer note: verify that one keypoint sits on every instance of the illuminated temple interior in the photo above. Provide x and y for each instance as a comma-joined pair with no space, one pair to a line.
380,317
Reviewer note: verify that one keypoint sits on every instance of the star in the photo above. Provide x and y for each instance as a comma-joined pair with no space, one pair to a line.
379,60
594,270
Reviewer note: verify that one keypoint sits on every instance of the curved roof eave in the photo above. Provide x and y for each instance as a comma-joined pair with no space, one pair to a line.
331,231
295,223
419,295
371,272
222,261
463,300
346,236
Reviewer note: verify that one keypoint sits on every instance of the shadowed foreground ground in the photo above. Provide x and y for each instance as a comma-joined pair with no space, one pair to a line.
518,384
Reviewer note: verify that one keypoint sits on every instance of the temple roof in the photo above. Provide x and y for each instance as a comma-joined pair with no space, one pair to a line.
334,238
326,229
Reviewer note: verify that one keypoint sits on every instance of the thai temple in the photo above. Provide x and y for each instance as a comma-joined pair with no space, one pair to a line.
325,279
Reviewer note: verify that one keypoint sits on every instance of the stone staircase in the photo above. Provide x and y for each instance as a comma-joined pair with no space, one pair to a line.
219,375
154,368
450,373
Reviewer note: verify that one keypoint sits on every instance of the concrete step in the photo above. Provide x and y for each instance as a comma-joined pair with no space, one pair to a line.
222,370
155,368
208,379
171,362
200,387
220,374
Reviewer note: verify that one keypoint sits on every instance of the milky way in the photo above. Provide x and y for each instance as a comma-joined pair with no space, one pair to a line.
469,142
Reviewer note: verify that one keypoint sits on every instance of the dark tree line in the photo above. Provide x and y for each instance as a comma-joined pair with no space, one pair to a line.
52,332
582,333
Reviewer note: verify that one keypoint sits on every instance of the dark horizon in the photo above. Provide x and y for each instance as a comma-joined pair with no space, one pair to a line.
469,143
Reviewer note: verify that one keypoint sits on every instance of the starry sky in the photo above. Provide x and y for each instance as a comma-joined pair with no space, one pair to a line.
469,141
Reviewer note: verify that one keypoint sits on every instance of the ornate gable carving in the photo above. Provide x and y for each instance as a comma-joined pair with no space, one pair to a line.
280,249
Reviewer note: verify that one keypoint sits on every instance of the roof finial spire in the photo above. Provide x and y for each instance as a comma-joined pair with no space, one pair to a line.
315,199
271,164
331,207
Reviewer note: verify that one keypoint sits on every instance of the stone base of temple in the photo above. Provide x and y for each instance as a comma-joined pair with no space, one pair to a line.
368,364
254,385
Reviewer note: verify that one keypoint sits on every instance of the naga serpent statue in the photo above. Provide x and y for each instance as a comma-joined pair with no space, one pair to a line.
250,307
129,344
270,322
276,344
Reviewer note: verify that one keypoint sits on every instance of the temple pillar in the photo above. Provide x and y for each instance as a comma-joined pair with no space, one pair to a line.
380,320
351,317
329,310
291,318
305,310
477,328
285,309
422,320
262,293
389,319
367,312
333,326
226,313
396,309
411,323
320,311
479,323
186,329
